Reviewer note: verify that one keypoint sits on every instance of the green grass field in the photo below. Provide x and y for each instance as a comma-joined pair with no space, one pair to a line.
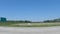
36,24
30,24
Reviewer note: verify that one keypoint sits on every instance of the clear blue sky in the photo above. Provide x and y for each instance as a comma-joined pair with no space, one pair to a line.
35,10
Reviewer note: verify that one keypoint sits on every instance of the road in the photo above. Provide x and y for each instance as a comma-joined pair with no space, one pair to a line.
30,30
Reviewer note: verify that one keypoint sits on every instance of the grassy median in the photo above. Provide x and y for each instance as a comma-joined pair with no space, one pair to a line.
30,24
36,24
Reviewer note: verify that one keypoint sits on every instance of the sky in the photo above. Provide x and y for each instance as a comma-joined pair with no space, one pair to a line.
34,10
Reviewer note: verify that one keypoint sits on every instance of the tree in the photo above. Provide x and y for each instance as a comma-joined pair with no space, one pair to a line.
26,21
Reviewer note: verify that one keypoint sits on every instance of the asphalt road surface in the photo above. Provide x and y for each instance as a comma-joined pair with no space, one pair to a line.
30,30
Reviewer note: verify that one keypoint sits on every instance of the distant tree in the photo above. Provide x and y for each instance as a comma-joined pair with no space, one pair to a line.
46,21
26,21
21,21
54,20
57,20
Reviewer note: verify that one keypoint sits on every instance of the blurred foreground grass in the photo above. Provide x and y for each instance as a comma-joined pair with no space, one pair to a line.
29,24
37,24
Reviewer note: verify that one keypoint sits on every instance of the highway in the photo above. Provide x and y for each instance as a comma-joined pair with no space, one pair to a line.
30,30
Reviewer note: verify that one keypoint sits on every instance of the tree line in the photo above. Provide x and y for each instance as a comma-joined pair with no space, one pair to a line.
54,20
3,19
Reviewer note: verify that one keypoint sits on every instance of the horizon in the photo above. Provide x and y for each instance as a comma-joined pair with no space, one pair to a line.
33,10
28,20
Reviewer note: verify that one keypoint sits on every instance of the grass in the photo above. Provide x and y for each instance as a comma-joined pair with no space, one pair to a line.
29,24
36,24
